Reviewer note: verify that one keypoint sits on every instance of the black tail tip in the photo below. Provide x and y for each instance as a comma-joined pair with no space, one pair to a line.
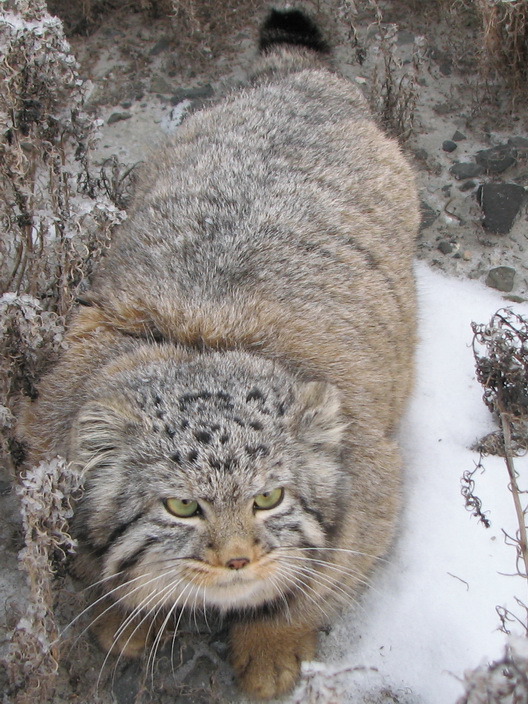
293,27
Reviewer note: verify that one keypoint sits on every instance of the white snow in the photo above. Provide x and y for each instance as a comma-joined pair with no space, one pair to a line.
430,614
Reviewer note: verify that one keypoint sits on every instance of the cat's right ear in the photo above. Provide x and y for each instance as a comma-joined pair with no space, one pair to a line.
102,431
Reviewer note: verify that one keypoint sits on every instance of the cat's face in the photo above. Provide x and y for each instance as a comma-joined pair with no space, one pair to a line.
209,482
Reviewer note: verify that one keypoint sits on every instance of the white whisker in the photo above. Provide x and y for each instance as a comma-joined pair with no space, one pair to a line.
275,580
157,639
101,581
204,607
128,621
327,549
98,601
330,565
294,578
159,597
324,581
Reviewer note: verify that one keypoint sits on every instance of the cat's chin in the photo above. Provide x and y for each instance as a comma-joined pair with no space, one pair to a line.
239,594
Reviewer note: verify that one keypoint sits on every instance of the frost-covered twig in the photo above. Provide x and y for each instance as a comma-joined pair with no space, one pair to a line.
30,339
323,683
45,494
501,355
55,216
502,682
56,222
520,511
473,503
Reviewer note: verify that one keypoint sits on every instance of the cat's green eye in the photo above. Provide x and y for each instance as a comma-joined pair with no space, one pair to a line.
183,508
269,499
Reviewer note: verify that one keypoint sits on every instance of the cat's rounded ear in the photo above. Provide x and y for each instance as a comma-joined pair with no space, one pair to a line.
102,430
320,421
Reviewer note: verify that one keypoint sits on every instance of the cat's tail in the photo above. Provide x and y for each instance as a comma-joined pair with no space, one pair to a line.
289,41
291,27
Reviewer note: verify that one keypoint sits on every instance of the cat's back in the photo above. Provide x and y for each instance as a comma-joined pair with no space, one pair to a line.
279,220
292,159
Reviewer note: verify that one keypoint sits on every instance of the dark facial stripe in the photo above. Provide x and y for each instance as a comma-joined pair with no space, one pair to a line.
308,544
100,550
279,525
283,514
128,562
324,524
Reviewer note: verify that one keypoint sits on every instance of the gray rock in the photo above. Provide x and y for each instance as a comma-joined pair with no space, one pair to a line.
198,93
446,67
428,214
501,278
28,147
520,143
449,146
160,85
200,675
118,117
467,186
466,169
445,247
443,108
113,33
444,60
497,159
458,137
500,203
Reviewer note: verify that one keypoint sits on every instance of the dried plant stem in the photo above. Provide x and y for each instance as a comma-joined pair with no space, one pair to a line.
501,355
522,539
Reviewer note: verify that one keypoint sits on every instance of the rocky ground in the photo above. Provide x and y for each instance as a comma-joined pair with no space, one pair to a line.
469,147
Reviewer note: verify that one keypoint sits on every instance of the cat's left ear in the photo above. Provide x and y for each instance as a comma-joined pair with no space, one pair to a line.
320,420
102,432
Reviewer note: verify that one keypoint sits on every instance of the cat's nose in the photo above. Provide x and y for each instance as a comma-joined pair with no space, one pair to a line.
237,563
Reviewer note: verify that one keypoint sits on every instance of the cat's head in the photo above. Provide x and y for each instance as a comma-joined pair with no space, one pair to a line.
208,480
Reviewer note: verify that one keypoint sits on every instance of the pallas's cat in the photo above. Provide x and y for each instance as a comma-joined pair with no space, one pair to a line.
230,389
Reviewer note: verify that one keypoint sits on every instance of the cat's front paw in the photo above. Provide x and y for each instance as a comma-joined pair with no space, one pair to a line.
120,635
267,657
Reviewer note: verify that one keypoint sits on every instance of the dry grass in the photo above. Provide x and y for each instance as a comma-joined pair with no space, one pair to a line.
394,87
56,218
58,223
505,39
55,215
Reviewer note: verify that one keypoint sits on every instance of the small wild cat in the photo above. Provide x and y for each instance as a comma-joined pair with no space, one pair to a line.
230,390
